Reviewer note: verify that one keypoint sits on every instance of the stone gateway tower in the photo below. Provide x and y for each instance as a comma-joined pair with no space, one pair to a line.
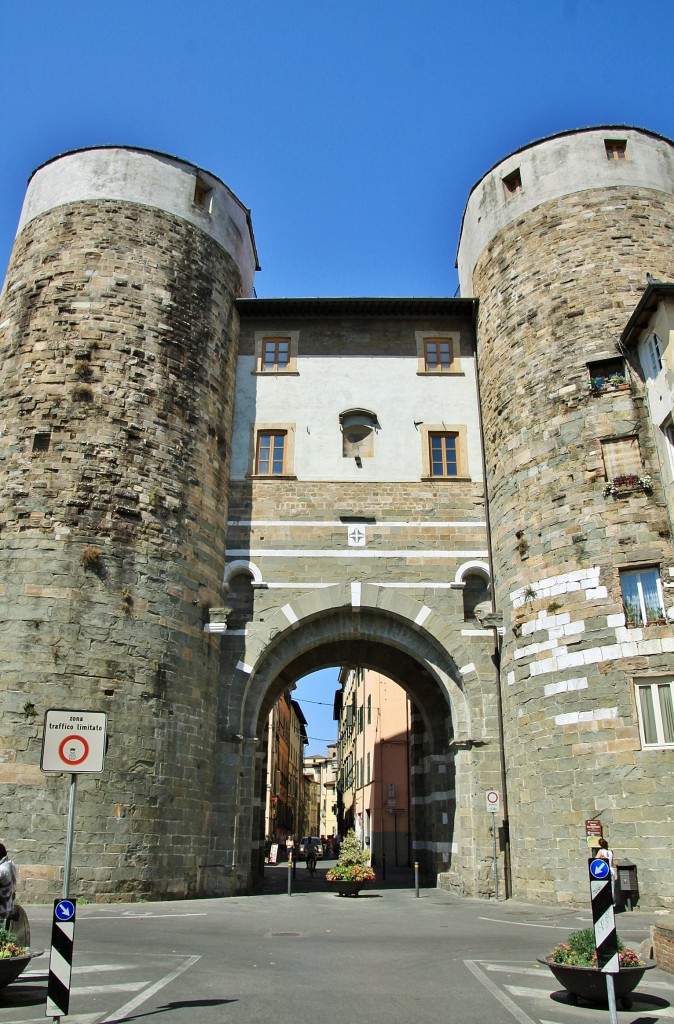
557,243
205,496
118,341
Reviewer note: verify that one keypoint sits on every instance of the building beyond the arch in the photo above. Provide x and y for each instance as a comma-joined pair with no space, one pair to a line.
204,496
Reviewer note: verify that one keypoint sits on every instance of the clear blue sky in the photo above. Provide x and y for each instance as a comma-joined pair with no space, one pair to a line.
353,130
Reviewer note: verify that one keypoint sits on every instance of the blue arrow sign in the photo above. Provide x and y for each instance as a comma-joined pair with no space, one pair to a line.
599,868
64,911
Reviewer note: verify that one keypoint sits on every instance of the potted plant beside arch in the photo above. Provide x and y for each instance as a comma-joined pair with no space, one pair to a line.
574,965
352,870
14,958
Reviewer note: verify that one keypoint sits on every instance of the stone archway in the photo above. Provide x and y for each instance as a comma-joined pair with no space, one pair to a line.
454,748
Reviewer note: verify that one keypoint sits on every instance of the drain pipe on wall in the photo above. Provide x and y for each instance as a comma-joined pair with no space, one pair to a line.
496,656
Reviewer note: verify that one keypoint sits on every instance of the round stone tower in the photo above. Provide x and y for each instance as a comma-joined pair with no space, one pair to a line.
118,343
556,243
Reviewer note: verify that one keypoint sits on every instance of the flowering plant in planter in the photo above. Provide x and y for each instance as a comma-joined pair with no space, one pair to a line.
9,947
580,951
352,865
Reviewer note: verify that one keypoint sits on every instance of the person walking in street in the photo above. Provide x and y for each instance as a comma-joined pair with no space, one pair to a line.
605,853
8,876
311,857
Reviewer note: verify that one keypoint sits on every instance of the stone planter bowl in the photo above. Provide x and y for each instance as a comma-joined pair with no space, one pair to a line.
590,984
11,968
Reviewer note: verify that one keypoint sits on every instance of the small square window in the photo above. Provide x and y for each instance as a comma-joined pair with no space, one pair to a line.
203,195
41,442
270,453
655,707
642,597
607,375
437,354
512,183
616,149
275,354
444,456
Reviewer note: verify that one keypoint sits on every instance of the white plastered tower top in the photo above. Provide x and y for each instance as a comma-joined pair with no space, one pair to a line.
142,176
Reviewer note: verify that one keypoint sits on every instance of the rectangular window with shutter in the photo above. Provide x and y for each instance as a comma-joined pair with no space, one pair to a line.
622,461
655,706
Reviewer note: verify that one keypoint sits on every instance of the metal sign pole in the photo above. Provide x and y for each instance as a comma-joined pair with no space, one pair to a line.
493,832
69,836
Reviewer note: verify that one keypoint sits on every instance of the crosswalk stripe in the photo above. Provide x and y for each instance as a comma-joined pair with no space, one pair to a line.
95,990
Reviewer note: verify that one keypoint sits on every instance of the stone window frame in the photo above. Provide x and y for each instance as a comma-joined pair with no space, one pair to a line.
454,338
616,149
655,711
290,370
427,430
638,468
287,430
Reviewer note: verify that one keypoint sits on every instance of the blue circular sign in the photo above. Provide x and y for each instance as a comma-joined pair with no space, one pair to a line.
64,910
599,868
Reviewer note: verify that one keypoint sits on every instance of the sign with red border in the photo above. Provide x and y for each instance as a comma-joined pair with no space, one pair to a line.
493,801
73,741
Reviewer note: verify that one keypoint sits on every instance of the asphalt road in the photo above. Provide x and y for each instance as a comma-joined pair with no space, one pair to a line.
385,955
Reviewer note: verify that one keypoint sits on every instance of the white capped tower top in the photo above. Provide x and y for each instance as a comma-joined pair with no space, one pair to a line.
560,165
132,175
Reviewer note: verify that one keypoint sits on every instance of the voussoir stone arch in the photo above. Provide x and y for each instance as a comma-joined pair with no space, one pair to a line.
390,631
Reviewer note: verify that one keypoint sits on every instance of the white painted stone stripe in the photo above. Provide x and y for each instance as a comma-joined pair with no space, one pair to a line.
576,717
428,585
467,669
300,524
565,686
410,554
290,614
242,667
610,652
422,616
445,848
430,798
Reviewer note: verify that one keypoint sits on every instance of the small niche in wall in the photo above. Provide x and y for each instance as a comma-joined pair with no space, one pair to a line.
203,195
42,441
358,430
512,183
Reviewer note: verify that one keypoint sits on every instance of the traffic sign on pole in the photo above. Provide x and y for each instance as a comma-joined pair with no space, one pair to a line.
61,958
73,741
493,801
605,935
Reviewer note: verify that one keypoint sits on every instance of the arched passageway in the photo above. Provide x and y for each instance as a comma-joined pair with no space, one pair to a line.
453,751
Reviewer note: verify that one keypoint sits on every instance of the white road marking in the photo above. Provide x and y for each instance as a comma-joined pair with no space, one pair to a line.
99,990
503,999
505,969
524,924
133,1004
75,1018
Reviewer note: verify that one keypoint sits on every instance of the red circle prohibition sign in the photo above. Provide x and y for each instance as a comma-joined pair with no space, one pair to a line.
492,797
74,760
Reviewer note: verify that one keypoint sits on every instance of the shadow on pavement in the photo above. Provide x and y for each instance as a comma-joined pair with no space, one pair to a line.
275,881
